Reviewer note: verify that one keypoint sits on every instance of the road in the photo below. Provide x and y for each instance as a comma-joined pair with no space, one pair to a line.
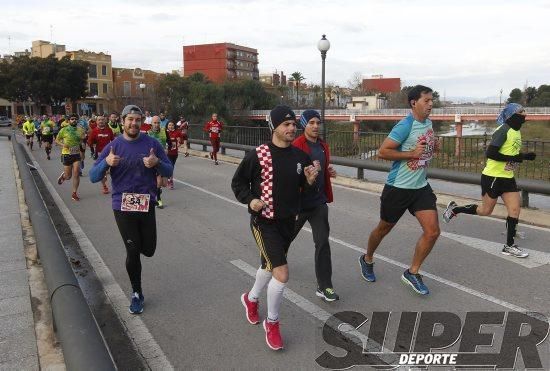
206,252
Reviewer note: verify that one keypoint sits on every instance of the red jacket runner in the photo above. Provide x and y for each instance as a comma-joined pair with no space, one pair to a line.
100,137
214,128
301,143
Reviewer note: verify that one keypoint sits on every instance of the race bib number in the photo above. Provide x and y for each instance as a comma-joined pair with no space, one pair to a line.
135,202
511,166
74,150
214,130
46,130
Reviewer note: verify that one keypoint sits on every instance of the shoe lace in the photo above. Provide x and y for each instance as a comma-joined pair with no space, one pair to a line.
418,278
330,291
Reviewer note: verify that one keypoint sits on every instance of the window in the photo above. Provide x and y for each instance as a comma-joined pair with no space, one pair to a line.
104,70
93,89
105,89
127,89
92,71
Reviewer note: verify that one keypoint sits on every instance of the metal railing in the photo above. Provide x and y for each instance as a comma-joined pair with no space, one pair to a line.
466,154
405,111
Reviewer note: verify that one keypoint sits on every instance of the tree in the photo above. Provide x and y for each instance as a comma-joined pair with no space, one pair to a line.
298,78
530,93
516,96
43,80
355,82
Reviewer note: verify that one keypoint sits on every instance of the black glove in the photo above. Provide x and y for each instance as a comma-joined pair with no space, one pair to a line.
529,156
518,158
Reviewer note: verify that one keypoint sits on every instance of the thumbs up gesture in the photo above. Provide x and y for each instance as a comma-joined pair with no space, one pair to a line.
112,159
151,160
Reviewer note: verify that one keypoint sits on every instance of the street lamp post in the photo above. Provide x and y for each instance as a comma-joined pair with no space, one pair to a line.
323,45
142,87
500,100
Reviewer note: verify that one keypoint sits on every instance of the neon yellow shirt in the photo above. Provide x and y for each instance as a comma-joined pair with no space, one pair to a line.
71,137
28,128
509,142
46,127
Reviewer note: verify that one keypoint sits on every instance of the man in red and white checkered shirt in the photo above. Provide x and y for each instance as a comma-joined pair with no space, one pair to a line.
270,180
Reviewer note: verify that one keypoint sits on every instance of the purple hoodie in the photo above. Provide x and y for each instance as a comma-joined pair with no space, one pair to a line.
131,175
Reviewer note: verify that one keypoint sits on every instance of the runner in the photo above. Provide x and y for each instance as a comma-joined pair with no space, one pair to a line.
175,138
497,178
97,140
269,181
410,145
36,121
160,135
134,161
163,120
92,124
114,124
214,129
28,131
47,129
183,126
314,208
70,139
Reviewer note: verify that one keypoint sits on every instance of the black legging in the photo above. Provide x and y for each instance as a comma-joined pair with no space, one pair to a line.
139,233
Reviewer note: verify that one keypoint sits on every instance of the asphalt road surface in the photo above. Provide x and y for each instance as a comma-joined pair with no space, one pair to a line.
205,255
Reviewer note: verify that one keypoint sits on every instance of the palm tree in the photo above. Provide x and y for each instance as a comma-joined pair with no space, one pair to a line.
298,78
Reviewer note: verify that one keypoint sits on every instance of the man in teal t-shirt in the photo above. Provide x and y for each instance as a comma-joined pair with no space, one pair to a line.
411,145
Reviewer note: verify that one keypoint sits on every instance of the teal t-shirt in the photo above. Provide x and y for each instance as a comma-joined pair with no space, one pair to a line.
411,174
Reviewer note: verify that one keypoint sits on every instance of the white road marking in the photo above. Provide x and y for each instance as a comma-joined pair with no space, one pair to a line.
136,329
535,259
319,313
434,277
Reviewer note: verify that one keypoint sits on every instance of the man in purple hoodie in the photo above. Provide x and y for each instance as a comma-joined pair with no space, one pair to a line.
134,161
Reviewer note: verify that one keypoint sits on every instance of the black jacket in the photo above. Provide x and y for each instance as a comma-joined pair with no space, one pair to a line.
288,180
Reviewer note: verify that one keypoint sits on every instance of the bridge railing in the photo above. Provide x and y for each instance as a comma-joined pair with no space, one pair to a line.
466,154
404,111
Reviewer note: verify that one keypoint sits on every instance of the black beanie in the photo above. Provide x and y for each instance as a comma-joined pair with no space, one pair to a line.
280,114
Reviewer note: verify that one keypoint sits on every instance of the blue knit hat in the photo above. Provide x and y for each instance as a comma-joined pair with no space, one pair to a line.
308,115
508,112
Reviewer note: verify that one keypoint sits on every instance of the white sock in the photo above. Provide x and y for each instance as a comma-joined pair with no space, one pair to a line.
274,298
262,278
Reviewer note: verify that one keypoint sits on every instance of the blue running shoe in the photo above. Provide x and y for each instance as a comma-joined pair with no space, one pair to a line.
367,270
136,306
415,282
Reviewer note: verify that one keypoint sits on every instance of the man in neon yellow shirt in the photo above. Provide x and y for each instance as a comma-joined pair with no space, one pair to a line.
46,128
497,179
28,130
70,139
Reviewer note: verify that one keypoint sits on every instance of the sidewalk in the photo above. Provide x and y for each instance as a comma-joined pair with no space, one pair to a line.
18,346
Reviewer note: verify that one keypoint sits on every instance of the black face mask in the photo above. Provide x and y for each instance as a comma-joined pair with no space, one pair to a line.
516,121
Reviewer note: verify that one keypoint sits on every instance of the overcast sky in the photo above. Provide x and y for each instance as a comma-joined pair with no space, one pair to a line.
460,48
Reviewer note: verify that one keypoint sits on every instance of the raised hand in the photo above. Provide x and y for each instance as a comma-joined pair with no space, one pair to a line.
419,150
112,159
332,172
257,204
311,173
151,160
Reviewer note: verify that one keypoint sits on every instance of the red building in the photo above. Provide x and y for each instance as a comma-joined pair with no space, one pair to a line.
379,84
221,61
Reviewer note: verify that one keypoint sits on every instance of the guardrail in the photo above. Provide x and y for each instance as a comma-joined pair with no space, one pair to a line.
405,111
525,185
84,347
466,154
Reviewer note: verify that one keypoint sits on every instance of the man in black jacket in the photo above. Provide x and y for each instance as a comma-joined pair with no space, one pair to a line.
269,180
497,179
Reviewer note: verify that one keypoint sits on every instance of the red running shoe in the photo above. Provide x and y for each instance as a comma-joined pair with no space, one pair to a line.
273,335
251,309
75,197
